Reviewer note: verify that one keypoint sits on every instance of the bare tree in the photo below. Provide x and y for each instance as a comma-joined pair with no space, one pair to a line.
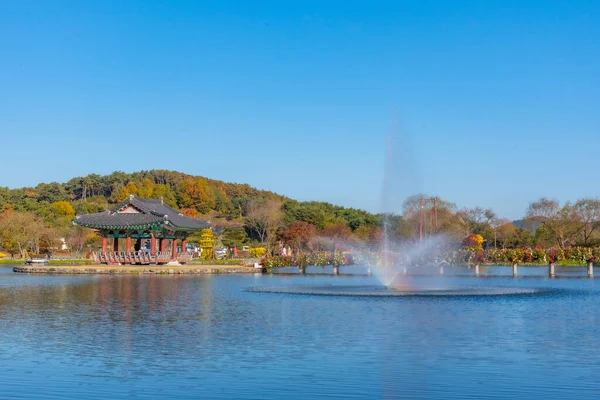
264,218
501,226
78,237
588,211
563,223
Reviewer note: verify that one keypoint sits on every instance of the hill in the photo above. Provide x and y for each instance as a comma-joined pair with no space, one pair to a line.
262,213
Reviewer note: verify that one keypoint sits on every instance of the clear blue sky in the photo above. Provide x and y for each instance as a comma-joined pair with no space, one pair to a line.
499,99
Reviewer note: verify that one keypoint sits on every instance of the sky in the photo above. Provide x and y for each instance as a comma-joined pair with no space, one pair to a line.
483,103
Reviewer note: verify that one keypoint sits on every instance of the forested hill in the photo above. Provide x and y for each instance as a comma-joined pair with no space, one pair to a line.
36,219
194,194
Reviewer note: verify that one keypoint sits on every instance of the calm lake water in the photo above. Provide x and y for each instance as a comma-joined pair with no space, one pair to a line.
98,337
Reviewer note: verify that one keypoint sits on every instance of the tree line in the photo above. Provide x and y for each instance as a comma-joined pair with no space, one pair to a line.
38,219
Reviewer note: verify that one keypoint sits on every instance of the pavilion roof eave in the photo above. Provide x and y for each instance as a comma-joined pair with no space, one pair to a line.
114,227
186,228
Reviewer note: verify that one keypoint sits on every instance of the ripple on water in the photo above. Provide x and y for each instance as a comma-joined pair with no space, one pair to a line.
383,291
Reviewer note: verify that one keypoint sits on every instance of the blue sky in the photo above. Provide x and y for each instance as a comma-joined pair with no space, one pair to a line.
496,102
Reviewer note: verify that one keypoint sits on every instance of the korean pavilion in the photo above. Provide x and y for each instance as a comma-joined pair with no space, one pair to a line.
139,221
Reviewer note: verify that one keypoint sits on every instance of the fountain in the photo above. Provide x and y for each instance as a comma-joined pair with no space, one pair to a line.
397,261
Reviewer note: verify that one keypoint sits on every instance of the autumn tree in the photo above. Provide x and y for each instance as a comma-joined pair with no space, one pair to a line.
207,243
124,192
164,191
190,212
473,242
195,193
19,231
298,234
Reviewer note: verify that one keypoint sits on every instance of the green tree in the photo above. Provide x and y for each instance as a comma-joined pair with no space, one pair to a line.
51,192
234,237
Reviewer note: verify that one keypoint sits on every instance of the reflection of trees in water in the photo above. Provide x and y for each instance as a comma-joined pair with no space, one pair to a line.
117,319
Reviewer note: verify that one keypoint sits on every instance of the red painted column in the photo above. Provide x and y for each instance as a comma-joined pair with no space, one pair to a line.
183,244
128,246
174,250
116,244
104,244
153,244
163,244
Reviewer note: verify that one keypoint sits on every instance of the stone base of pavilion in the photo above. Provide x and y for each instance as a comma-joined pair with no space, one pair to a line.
141,258
100,269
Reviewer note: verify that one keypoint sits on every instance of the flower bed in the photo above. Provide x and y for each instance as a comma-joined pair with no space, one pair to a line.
523,256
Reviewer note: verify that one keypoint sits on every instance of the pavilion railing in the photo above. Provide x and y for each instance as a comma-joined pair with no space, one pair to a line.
184,258
162,257
139,257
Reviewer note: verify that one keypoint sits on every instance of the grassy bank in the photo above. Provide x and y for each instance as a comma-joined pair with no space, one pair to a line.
11,261
198,261
71,262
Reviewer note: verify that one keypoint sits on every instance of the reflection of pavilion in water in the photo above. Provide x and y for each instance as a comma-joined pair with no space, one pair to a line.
149,222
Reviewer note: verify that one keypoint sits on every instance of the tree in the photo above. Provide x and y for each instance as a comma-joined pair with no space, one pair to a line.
79,237
473,242
190,212
563,223
298,234
588,210
19,231
195,193
163,191
51,192
264,219
477,220
63,209
47,240
234,237
207,243
125,192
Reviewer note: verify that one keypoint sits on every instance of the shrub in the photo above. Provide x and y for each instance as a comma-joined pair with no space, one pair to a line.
257,252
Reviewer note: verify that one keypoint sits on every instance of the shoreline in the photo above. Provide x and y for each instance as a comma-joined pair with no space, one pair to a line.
101,269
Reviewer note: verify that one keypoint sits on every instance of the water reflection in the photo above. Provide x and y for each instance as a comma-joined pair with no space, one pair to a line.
203,336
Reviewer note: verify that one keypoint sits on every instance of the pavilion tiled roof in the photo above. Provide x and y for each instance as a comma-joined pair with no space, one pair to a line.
147,213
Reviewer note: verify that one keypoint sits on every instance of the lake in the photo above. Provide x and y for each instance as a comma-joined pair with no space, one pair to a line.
146,337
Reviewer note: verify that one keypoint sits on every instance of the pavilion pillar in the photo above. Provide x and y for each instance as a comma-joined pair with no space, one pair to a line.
183,245
104,244
116,244
174,249
162,244
128,246
153,244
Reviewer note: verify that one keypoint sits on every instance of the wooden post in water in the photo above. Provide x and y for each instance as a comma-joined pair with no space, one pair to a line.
515,270
551,270
476,269
590,269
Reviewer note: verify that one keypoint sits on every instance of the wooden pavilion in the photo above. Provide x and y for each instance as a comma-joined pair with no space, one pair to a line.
144,221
